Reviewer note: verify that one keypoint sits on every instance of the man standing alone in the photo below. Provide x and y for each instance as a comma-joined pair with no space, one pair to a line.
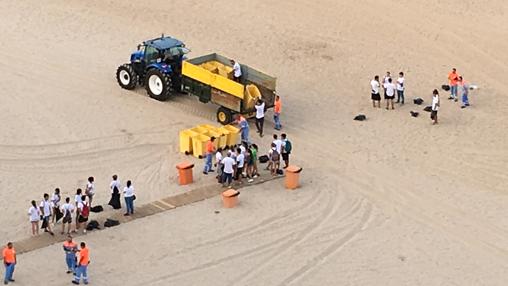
435,106
276,112
260,116
9,256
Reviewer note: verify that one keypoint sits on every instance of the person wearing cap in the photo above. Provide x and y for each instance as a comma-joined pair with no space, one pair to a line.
277,108
82,265
9,257
237,71
70,248
210,150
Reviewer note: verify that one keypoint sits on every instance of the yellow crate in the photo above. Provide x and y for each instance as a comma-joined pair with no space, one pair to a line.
233,134
199,130
186,141
206,126
218,137
223,142
199,145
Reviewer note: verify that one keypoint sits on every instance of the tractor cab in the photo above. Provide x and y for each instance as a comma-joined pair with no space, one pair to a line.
157,64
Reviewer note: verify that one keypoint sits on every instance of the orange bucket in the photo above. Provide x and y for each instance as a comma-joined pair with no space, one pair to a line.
292,177
185,173
230,198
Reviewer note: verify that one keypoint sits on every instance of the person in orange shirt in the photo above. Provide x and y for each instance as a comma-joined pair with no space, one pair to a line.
82,265
210,150
9,256
276,112
453,79
70,249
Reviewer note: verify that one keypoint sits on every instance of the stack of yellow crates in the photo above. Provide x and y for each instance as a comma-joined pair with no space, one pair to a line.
193,141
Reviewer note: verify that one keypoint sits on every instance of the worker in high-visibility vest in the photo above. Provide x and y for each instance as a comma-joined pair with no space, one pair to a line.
70,248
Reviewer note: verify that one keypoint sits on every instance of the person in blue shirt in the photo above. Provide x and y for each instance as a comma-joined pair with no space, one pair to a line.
244,128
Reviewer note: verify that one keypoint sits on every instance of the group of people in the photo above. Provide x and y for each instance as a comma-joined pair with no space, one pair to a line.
77,260
389,89
456,83
51,210
241,161
261,108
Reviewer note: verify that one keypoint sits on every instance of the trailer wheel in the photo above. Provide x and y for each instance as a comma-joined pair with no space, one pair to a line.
224,116
158,85
126,76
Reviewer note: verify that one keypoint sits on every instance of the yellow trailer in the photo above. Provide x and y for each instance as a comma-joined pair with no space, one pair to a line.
210,78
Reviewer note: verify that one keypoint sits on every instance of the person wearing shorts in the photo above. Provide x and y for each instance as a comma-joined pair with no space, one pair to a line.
90,190
240,163
67,210
435,106
375,96
389,93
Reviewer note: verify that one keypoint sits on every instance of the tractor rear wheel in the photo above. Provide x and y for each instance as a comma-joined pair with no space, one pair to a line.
224,115
126,76
158,85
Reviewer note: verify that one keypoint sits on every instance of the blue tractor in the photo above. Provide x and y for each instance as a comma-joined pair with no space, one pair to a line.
157,64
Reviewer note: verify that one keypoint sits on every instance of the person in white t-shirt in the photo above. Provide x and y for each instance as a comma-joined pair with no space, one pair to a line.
229,169
389,93
435,106
375,96
67,211
237,71
218,164
35,215
129,196
400,88
385,80
90,190
55,204
240,162
45,207
260,116
277,142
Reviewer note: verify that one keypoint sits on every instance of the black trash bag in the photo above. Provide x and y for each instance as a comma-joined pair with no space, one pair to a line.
427,108
93,224
414,113
280,172
418,101
445,87
360,117
96,209
263,159
111,222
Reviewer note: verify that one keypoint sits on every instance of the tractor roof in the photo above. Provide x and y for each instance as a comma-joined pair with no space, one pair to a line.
164,43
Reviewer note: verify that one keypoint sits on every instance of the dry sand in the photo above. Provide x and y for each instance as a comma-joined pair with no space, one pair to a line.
389,201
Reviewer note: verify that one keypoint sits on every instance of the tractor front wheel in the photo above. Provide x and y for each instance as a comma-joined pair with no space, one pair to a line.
158,85
126,76
224,115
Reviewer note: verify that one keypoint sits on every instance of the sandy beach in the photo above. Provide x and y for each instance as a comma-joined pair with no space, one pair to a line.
392,200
